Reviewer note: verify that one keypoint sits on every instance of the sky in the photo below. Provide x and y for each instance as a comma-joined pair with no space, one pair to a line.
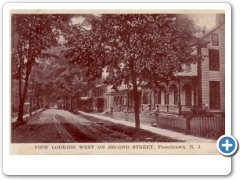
207,20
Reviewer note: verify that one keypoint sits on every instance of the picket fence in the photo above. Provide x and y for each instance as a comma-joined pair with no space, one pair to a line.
195,124
203,124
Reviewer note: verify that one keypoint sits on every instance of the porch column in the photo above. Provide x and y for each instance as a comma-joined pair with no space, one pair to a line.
167,97
179,97
114,102
125,101
149,96
142,93
194,94
110,103
199,76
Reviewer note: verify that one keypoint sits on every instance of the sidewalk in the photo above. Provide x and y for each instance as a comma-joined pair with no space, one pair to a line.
156,130
26,115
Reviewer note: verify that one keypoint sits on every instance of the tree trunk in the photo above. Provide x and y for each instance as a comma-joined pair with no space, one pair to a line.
31,103
77,103
135,96
38,106
77,100
30,109
20,110
71,102
136,106
44,102
64,103
22,97
21,102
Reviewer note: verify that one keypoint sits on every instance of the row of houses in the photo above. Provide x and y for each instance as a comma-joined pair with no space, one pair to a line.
200,87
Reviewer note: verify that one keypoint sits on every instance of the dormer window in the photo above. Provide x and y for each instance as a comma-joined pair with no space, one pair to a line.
215,39
187,68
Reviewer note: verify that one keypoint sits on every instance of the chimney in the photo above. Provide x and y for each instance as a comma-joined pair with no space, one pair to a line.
220,18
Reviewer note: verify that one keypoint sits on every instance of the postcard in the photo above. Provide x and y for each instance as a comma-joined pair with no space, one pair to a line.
143,82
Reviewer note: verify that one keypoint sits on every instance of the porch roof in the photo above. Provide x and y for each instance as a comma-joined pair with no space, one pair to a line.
122,91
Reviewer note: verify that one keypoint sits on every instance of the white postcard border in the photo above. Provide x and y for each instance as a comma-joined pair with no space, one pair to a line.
112,164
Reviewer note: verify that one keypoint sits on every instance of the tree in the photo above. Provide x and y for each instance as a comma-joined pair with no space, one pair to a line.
60,80
135,48
31,35
70,82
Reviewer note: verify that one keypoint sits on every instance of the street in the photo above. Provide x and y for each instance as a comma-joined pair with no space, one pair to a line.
60,126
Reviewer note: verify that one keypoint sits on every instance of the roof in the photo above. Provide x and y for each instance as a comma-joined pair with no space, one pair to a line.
209,31
121,91
99,85
84,98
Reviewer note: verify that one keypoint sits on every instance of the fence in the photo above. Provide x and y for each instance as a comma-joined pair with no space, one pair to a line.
171,121
146,119
198,125
195,124
203,124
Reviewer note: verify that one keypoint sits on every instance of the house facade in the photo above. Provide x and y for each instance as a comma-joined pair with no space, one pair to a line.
175,96
213,67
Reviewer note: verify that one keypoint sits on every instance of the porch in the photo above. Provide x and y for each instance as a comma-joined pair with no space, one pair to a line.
174,97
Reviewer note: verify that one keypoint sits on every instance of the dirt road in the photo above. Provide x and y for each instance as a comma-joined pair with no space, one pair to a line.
59,126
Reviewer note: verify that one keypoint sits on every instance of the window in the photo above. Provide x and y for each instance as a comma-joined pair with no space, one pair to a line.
188,95
166,97
175,97
214,94
145,98
214,64
215,39
187,68
158,98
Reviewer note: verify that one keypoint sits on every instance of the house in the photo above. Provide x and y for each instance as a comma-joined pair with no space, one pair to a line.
95,99
212,75
200,85
167,99
99,100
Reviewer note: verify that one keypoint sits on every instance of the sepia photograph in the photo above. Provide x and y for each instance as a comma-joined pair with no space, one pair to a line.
117,81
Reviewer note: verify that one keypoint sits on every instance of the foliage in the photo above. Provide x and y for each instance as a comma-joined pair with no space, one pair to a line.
59,79
154,46
135,48
32,34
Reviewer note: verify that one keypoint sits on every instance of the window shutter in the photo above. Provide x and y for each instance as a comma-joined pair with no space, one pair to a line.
214,64
214,94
